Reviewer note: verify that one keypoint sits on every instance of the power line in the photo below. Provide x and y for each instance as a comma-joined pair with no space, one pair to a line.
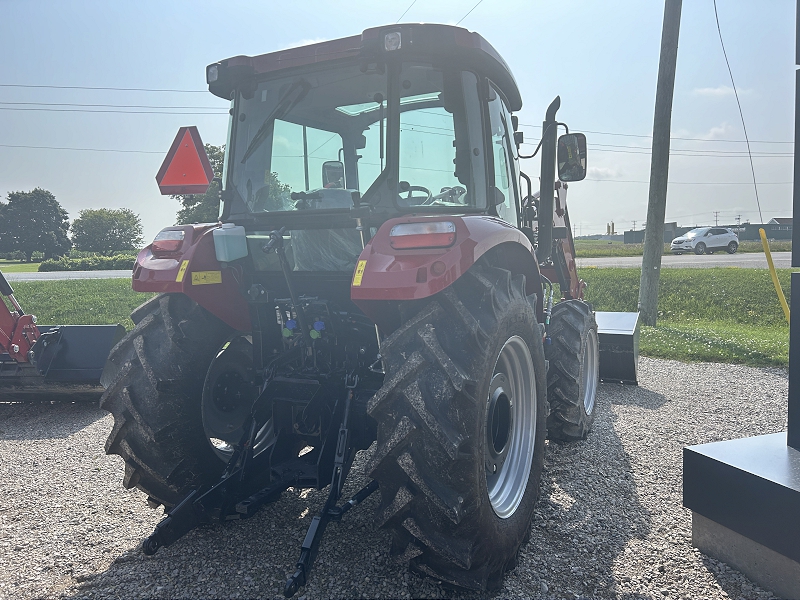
741,114
690,182
115,89
110,105
81,149
130,112
735,152
469,11
692,139
406,10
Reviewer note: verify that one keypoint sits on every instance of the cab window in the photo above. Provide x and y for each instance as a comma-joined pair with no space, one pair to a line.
503,158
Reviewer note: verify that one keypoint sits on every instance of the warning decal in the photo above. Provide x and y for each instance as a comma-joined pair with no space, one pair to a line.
206,277
359,274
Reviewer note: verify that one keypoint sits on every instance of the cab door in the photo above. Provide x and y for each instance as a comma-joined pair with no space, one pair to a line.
504,191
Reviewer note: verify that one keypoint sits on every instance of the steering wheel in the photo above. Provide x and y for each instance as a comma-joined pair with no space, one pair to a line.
419,188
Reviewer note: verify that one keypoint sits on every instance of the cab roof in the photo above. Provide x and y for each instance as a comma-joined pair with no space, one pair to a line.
453,46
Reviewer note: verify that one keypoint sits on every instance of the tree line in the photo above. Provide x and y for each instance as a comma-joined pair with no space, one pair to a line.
34,221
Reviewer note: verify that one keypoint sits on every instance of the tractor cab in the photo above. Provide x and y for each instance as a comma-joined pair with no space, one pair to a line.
400,120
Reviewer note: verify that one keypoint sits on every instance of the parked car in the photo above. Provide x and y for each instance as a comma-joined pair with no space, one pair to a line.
705,240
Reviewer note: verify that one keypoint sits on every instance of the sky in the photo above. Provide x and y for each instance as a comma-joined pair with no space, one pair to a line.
96,148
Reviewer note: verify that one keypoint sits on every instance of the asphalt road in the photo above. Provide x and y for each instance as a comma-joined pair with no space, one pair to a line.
747,260
61,275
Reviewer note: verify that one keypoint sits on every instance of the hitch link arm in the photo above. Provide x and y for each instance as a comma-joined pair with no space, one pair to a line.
330,511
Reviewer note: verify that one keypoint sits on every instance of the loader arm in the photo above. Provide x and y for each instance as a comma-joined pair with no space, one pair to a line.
18,331
562,267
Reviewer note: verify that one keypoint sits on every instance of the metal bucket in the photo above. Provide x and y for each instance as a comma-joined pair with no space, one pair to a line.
618,334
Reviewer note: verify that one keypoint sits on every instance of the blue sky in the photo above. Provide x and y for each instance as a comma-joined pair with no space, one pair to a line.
600,57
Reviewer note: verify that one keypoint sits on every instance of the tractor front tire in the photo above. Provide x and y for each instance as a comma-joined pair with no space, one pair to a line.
461,429
154,385
574,372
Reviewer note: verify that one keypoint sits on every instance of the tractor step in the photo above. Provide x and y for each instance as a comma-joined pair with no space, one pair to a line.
618,334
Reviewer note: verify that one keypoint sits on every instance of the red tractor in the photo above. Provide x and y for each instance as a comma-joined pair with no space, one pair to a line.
379,279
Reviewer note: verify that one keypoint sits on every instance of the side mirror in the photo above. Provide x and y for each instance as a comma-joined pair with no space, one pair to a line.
571,157
333,174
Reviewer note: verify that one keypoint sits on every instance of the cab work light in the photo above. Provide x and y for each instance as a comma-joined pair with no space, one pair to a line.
428,234
392,41
167,241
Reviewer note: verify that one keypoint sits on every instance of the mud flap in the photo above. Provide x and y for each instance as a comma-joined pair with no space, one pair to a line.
75,353
618,334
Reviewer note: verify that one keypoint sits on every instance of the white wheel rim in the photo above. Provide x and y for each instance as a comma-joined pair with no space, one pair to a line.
510,427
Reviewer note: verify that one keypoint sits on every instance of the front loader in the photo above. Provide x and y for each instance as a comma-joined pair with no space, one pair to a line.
50,362
379,280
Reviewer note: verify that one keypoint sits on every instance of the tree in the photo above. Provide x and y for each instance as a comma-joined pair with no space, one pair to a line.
203,208
107,231
34,222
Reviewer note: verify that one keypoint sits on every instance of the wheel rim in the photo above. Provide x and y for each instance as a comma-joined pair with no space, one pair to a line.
228,397
591,373
510,427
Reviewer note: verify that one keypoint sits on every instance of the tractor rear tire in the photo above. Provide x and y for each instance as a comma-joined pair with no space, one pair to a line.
154,385
461,429
574,372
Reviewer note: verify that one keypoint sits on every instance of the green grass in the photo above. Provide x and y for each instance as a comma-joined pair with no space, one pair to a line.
603,248
722,314
15,266
79,301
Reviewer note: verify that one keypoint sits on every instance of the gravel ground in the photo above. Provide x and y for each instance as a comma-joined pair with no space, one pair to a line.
610,523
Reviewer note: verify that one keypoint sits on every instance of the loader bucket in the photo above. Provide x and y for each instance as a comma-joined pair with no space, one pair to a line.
618,334
68,362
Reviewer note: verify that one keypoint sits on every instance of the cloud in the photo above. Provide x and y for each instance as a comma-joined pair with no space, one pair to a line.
722,131
602,173
718,92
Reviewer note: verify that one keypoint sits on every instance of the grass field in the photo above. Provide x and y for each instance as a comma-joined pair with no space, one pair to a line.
601,248
15,266
79,301
723,315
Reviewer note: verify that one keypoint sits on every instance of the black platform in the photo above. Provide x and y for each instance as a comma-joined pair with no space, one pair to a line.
750,486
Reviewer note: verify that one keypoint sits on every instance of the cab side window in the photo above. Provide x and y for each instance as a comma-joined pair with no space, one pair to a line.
503,158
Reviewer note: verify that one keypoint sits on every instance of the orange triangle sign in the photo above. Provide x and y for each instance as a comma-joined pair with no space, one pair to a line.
186,169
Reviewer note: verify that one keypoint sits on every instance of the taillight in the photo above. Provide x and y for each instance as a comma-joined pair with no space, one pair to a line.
427,234
167,241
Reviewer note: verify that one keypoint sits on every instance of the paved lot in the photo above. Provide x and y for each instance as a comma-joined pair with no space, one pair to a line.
609,523
61,275
745,260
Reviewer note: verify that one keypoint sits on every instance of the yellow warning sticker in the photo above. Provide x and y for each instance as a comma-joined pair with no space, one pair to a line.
359,274
182,271
206,277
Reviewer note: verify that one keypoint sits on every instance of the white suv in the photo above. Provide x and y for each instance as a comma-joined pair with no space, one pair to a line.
704,240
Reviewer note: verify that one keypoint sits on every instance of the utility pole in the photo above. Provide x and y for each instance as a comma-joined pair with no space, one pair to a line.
716,218
659,164
634,225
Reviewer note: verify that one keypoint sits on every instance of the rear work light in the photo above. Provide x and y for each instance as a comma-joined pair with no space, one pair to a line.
428,234
167,241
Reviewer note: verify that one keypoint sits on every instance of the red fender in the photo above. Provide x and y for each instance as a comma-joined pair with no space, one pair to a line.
385,276
194,270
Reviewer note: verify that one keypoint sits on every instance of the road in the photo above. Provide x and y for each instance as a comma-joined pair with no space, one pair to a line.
747,260
62,275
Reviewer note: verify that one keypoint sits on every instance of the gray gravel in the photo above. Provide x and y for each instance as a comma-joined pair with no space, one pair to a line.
609,524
